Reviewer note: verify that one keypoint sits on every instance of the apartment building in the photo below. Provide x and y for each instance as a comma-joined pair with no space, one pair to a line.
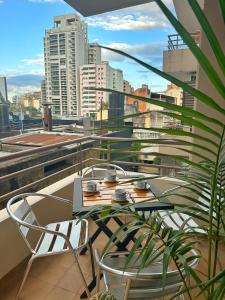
3,89
94,54
66,49
176,92
97,76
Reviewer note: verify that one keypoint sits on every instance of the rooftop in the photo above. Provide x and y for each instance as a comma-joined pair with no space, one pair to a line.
40,139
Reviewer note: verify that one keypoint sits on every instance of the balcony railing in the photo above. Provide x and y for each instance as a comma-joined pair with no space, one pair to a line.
176,42
86,151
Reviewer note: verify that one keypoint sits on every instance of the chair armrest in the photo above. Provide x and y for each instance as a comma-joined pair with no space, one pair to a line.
50,196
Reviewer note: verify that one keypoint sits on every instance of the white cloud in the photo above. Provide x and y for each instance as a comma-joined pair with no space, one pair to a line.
38,61
151,51
127,22
141,17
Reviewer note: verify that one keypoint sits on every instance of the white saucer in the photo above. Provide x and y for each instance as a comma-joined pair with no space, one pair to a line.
120,200
145,189
98,188
107,181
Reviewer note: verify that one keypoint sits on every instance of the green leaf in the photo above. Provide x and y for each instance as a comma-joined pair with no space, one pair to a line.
194,92
222,6
191,122
212,38
173,107
196,51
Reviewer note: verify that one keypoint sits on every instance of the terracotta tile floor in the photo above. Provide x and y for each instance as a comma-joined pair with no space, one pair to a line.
55,277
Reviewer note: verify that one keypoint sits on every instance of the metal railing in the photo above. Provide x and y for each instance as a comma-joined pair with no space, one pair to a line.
85,153
175,41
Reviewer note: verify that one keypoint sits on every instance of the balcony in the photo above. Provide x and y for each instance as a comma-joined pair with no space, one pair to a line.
55,278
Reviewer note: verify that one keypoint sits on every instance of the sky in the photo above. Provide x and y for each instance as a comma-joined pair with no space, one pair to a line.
140,31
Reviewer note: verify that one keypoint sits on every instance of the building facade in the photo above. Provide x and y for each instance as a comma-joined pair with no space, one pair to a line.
31,100
66,49
97,76
94,54
176,92
3,89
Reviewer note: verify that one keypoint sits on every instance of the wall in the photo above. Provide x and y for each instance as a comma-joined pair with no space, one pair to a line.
214,15
180,63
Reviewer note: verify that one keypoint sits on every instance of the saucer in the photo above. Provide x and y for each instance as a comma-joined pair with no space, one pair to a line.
107,181
120,200
140,189
98,188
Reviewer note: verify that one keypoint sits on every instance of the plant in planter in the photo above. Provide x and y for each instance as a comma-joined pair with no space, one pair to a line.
204,199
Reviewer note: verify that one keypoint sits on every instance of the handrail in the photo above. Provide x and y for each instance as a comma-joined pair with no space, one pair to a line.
46,163
82,163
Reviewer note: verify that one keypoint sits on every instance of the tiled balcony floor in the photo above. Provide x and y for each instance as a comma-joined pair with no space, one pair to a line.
55,277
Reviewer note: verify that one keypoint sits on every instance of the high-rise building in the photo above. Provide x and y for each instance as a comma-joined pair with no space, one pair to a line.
66,49
97,76
3,89
94,54
43,92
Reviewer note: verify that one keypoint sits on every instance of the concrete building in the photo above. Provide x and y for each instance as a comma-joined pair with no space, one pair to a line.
43,92
97,76
181,63
116,109
94,54
143,91
66,48
3,89
31,100
127,87
176,92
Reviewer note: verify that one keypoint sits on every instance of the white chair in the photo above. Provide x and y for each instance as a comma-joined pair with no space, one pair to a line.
97,168
55,238
177,220
131,282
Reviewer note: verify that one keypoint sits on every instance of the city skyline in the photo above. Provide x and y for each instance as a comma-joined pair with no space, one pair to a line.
145,36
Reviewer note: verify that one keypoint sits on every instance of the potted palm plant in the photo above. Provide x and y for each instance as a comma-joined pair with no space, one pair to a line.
204,199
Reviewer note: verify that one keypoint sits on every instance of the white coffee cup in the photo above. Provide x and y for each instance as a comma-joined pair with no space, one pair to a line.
120,194
91,186
110,176
142,185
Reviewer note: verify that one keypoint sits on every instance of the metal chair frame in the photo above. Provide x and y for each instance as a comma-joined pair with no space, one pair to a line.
130,277
106,165
23,223
179,220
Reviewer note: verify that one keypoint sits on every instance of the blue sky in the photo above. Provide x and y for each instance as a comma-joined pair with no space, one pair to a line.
141,31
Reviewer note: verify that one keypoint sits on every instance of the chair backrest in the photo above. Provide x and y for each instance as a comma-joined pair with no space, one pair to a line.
105,166
133,283
23,216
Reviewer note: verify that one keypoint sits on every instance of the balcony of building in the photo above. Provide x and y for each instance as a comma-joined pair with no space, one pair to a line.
56,277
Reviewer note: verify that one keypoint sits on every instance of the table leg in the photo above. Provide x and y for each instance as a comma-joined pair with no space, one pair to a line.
95,235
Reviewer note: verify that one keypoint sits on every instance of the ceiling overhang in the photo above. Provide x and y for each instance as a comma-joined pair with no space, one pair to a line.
93,7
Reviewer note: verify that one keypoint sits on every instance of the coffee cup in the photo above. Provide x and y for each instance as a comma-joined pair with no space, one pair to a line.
120,194
142,185
91,186
110,176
